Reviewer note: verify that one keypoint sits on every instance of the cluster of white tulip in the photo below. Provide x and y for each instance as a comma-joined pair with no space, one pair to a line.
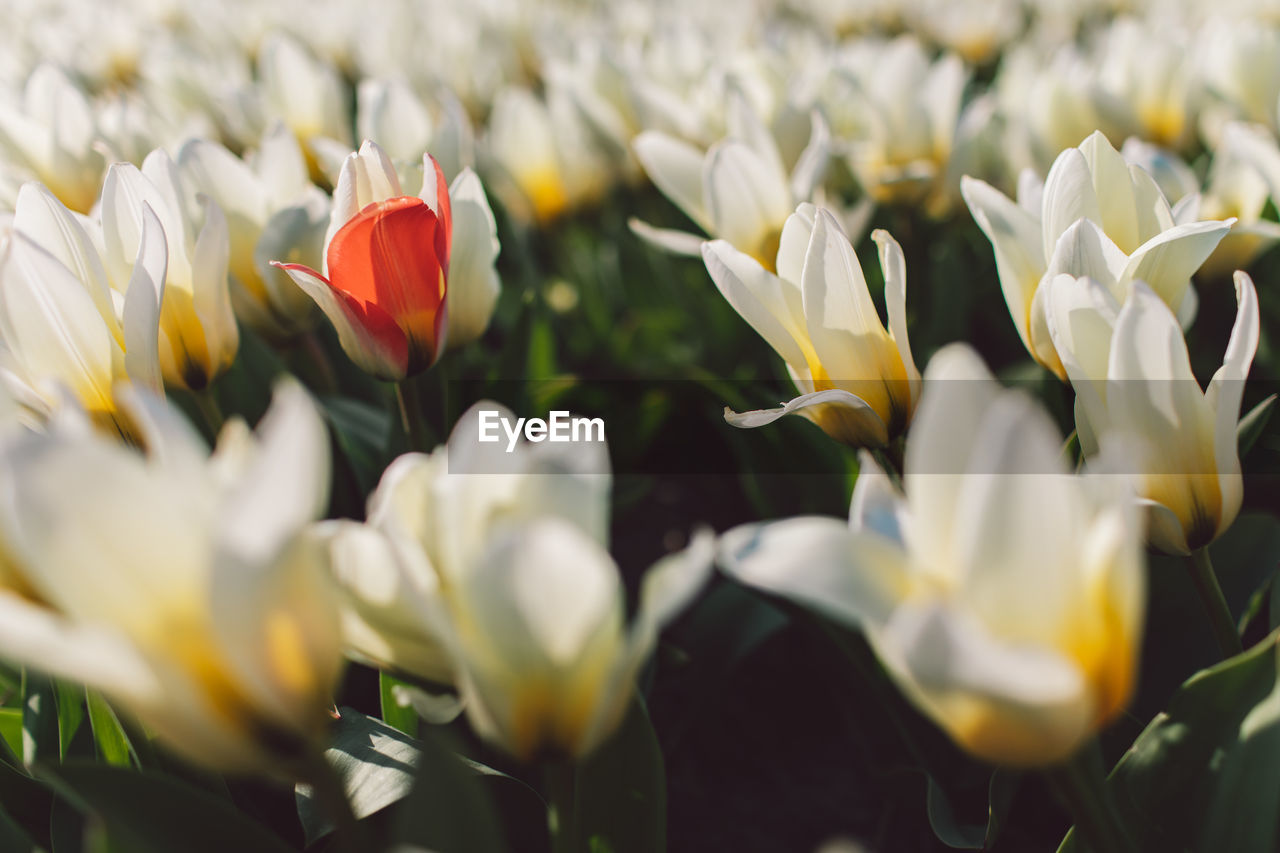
175,173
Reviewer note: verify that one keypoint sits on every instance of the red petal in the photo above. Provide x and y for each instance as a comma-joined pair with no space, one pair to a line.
389,255
369,334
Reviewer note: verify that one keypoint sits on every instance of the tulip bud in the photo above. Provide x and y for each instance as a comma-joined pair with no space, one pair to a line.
388,262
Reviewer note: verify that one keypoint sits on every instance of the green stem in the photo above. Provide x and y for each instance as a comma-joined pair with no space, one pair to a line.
1206,581
562,806
411,416
210,410
331,796
1082,786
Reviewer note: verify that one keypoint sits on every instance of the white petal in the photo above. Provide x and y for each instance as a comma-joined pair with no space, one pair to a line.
894,266
1084,250
473,282
855,578
745,201
1019,248
757,295
142,301
1068,196
51,324
812,163
47,221
838,309
877,505
1167,261
36,637
667,239
675,167
840,410
1226,392
286,484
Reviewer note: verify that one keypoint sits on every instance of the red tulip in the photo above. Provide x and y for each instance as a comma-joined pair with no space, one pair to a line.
388,271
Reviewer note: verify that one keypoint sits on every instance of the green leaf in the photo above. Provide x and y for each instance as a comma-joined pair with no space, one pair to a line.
1252,425
380,765
448,809
1205,774
70,702
13,837
146,812
27,801
402,717
947,826
361,432
622,796
40,739
113,744
375,763
11,729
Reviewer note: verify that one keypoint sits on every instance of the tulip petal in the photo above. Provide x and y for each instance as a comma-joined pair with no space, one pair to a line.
667,239
675,167
473,248
1113,190
436,192
812,163
958,391
840,413
1015,236
877,506
368,334
1068,196
1017,509
1167,261
1003,701
142,301
386,618
285,483
1084,250
39,638
842,322
211,292
52,326
746,201
759,298
856,578
894,266
46,220
1164,530
387,255
1226,392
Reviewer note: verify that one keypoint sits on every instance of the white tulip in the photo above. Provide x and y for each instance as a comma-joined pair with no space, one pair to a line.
63,325
1094,215
1129,365
499,560
857,379
1003,594
187,594
198,333
738,190
51,138
273,211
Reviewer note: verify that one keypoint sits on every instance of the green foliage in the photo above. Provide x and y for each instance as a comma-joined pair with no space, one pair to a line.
1203,776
